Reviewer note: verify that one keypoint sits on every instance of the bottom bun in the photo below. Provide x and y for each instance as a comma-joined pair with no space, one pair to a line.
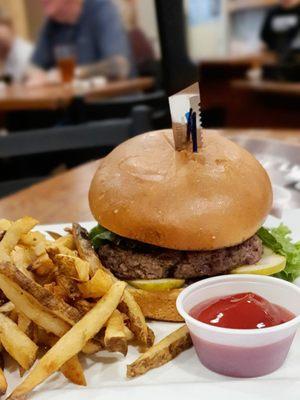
160,306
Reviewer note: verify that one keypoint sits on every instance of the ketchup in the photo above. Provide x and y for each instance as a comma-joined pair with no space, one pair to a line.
241,311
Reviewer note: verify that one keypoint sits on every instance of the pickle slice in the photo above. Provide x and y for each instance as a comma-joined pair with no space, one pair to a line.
270,264
157,285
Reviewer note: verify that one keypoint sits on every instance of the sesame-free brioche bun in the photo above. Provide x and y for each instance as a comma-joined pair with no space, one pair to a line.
147,191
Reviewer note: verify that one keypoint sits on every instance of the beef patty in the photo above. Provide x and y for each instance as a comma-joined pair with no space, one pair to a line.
135,260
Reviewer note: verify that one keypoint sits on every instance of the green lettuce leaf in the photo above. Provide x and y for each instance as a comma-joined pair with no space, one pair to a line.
99,235
279,240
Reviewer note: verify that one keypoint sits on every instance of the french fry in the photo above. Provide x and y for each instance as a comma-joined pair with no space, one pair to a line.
16,343
24,323
43,265
13,315
53,250
13,235
150,341
57,291
151,337
7,307
85,249
73,267
33,239
73,341
97,286
5,224
3,382
115,337
83,306
45,297
54,235
66,241
29,306
48,339
92,347
128,334
161,353
22,258
137,320
69,285
73,371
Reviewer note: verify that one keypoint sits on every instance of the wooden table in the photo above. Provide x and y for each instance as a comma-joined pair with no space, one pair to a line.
20,97
268,87
64,198
263,104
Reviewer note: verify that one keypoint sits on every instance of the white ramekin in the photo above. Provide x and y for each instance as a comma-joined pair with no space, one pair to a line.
241,352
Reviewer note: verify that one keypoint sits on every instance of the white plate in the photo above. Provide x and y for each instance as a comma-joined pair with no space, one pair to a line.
182,379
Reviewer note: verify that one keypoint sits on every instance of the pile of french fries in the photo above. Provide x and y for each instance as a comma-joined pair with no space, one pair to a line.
57,300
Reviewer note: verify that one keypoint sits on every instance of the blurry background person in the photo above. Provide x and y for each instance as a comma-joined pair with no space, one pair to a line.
142,48
281,29
15,52
93,28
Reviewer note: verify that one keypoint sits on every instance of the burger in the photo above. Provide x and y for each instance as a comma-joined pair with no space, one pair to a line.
168,218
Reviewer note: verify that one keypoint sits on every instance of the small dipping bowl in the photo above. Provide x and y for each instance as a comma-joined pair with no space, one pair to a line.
242,353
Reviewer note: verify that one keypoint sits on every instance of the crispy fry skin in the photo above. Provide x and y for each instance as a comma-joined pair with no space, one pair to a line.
57,291
73,341
73,267
24,324
45,297
16,343
69,285
92,347
23,257
115,337
83,306
161,353
66,241
73,371
151,337
84,248
137,320
43,265
29,306
54,235
13,235
3,382
97,286
53,250
7,307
